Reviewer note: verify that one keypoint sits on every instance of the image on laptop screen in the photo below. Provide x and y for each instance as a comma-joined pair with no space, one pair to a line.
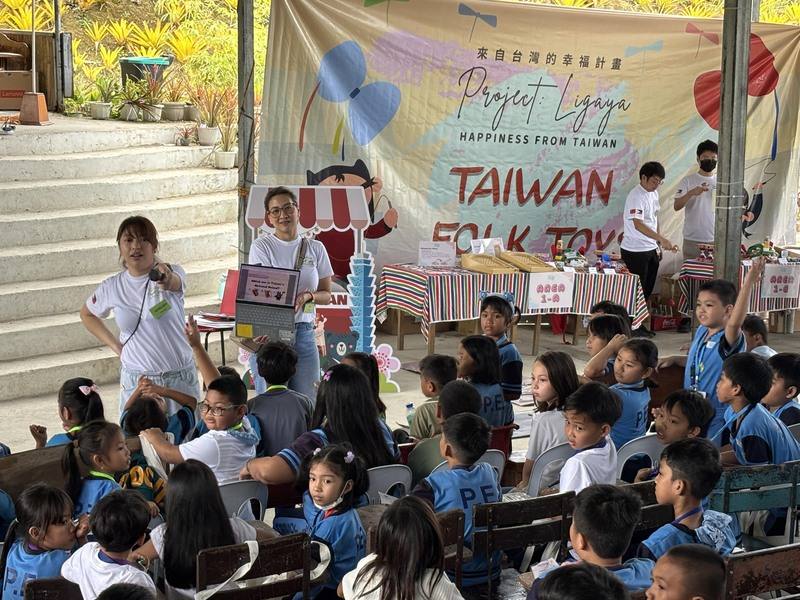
267,285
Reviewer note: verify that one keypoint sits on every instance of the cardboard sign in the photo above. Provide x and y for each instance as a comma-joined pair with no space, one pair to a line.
549,291
437,254
780,281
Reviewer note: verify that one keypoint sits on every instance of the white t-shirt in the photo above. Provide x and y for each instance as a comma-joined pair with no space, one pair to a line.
444,589
225,454
547,431
93,575
642,205
159,345
270,251
589,467
698,222
242,532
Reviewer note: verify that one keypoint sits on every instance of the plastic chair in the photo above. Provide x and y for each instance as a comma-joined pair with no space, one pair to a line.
557,453
382,479
493,457
795,431
236,494
647,444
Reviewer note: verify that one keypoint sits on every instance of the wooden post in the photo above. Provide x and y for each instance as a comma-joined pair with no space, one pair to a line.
246,126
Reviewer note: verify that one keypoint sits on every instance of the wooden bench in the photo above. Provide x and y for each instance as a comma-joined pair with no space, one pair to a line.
762,571
55,588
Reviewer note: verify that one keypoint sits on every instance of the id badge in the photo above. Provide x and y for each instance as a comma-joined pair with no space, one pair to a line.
160,309
309,307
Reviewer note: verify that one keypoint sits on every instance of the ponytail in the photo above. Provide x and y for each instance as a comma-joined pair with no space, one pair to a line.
94,438
80,396
73,478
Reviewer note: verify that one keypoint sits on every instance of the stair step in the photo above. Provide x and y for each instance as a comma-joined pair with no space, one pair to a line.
31,263
29,228
108,162
65,332
84,135
93,192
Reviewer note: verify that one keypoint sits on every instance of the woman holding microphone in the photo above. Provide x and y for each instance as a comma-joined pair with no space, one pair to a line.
147,299
287,249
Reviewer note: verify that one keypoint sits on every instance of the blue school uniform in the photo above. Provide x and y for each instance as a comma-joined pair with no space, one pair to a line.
94,487
789,413
25,563
759,438
494,407
715,531
180,425
59,439
704,369
635,403
510,367
465,487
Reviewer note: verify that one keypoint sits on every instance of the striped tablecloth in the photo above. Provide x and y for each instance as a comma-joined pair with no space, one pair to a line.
694,272
438,295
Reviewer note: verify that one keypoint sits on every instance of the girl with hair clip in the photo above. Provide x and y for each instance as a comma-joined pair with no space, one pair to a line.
554,379
39,541
408,562
368,365
345,412
100,450
333,478
498,313
195,519
78,403
479,364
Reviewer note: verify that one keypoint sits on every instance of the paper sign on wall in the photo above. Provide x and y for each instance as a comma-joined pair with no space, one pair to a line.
549,291
437,254
780,281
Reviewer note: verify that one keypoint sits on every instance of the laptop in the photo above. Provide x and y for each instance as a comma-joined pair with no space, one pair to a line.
265,302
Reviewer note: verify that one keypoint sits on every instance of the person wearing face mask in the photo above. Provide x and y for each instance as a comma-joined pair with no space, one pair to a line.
695,193
147,298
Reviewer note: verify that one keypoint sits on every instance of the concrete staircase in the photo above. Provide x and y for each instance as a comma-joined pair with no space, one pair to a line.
63,192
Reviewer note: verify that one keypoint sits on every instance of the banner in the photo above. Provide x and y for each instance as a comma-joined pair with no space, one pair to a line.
480,119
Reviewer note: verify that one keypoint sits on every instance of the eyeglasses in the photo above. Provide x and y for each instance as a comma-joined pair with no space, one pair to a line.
287,209
657,180
217,411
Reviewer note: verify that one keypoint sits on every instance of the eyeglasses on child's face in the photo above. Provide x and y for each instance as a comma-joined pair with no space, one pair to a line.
216,411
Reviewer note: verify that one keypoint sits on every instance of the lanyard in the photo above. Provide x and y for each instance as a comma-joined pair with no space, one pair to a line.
101,475
697,364
236,427
74,429
600,444
111,561
742,413
687,514
277,387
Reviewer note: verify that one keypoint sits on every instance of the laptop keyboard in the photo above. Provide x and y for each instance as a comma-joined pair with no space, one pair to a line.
259,316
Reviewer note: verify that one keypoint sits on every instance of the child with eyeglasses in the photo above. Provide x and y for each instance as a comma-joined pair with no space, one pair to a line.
230,441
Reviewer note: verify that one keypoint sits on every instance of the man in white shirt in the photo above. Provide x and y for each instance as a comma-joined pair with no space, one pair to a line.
641,238
695,193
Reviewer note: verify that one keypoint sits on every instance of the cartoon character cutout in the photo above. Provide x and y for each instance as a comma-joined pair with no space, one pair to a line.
341,245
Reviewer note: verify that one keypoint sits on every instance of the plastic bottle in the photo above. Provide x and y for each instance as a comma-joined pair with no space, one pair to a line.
410,413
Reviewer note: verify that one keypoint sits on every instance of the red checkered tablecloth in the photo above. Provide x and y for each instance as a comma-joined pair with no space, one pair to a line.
694,272
438,295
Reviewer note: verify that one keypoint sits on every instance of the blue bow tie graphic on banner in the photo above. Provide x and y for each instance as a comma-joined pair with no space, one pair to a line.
371,108
490,20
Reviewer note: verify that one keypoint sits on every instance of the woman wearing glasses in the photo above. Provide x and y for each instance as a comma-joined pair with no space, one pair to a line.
285,248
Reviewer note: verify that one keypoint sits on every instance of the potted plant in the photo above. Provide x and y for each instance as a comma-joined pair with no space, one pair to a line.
185,135
152,96
174,95
108,90
131,96
208,102
225,155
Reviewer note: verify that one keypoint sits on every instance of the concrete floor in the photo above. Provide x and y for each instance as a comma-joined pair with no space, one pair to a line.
17,415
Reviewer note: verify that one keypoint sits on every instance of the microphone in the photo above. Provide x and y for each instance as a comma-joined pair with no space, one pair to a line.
156,275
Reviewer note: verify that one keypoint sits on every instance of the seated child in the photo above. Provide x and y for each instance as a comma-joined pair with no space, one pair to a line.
40,540
781,400
333,479
284,415
230,441
606,334
683,414
456,397
689,571
603,522
688,471
101,450
407,542
590,413
119,524
751,434
636,360
554,380
157,398
466,483
497,315
78,403
581,581
368,365
755,336
435,372
720,311
606,307
479,363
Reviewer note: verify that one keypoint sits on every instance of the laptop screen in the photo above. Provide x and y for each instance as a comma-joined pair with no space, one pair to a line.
267,285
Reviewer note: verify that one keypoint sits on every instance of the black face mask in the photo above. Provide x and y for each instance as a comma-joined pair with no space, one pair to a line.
708,164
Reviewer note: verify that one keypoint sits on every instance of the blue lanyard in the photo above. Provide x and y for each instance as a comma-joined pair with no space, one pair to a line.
687,514
698,361
742,413
600,444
